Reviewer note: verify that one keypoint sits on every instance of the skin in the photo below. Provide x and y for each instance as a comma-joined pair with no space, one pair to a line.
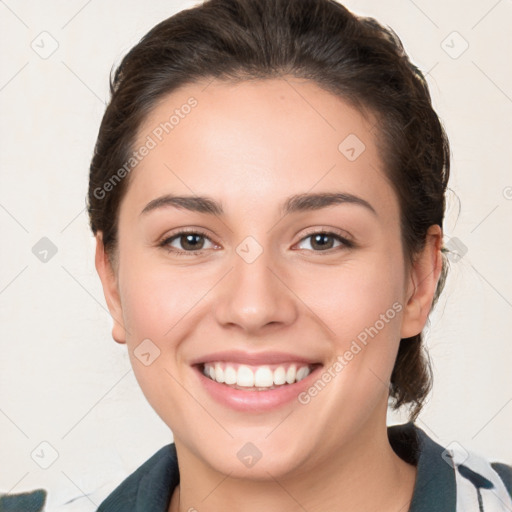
251,145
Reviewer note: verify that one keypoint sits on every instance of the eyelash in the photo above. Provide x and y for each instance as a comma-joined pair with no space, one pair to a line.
347,244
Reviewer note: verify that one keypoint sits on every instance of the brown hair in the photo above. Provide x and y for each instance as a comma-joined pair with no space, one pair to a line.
350,56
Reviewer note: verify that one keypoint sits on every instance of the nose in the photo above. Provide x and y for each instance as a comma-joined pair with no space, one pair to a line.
257,295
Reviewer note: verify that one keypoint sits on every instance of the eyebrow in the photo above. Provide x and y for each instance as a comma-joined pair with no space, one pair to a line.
293,204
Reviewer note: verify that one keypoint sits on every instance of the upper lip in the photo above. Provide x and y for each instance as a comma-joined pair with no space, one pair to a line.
254,358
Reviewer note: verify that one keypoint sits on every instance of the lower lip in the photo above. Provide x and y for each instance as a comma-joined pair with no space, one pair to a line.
255,401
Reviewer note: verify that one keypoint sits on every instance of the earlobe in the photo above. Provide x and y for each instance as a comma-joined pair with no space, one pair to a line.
422,284
110,289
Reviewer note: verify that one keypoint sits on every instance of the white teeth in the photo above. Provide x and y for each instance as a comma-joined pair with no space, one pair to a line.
290,374
245,377
263,377
302,373
279,376
219,373
229,375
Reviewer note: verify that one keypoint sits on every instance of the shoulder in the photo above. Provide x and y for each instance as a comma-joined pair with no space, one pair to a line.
149,487
29,501
505,473
451,477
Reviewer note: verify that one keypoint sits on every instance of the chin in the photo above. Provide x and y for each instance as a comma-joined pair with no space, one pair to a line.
254,460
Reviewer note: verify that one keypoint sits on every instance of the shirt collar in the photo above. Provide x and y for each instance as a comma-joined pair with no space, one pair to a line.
434,488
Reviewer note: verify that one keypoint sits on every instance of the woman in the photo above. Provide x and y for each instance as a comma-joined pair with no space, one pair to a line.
267,193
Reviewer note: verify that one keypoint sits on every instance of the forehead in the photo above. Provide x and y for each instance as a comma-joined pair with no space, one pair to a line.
253,142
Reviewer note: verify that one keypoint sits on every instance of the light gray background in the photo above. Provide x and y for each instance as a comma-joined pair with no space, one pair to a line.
64,381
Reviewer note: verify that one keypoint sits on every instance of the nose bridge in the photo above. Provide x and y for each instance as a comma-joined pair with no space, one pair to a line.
256,296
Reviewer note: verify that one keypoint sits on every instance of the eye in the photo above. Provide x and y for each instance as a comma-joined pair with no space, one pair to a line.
320,240
189,240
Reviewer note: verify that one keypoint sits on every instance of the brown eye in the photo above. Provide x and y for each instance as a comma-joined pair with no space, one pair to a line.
192,242
323,241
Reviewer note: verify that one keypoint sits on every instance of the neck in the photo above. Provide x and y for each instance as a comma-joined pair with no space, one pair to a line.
365,474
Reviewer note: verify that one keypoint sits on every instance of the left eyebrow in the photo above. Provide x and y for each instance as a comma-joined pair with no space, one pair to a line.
201,204
295,203
303,202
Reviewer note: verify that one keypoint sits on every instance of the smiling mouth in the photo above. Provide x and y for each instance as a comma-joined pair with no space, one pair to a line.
256,378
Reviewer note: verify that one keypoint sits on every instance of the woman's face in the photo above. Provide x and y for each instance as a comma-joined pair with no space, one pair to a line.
256,294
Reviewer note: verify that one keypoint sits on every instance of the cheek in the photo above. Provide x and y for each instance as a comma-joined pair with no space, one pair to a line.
155,299
155,303
362,306
356,295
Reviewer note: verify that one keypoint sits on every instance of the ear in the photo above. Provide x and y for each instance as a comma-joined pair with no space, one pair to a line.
422,284
110,289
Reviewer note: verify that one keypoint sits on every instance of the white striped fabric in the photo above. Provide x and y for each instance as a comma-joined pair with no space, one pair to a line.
474,493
